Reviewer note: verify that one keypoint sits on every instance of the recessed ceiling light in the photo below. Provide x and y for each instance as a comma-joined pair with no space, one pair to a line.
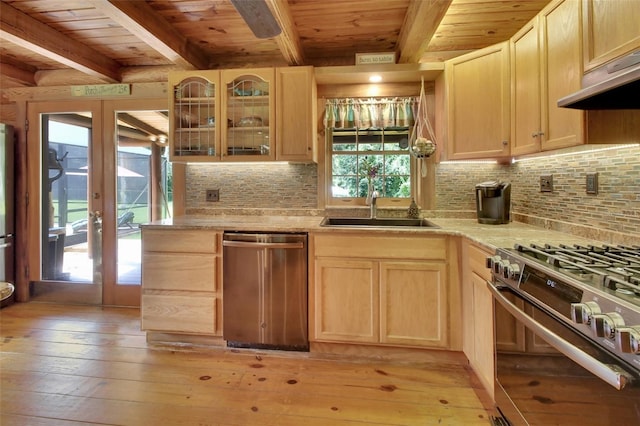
375,78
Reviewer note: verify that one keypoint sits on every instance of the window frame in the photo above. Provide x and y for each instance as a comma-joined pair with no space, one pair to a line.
332,201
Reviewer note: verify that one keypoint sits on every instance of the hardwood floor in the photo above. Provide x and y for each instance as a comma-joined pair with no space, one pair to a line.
71,365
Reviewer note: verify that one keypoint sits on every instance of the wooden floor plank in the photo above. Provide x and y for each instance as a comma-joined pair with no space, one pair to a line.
276,379
17,420
210,391
220,360
77,337
132,329
71,365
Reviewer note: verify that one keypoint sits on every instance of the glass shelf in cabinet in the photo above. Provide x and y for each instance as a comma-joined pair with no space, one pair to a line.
195,101
248,129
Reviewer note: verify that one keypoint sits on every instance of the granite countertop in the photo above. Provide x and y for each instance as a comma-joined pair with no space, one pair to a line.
490,236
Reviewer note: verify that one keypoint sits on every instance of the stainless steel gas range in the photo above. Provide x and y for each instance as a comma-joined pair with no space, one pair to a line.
572,316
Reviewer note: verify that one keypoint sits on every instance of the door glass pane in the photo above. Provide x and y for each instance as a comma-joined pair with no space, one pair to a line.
67,250
143,184
248,116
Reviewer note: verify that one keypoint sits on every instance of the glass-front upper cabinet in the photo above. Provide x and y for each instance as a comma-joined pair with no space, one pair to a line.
248,107
194,113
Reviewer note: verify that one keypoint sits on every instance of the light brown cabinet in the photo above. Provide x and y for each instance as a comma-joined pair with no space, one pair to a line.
248,108
345,300
413,303
296,114
561,72
194,113
545,66
478,112
610,30
260,114
389,290
181,291
478,314
526,129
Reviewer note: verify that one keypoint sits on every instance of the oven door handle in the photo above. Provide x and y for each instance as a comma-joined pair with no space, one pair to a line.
613,375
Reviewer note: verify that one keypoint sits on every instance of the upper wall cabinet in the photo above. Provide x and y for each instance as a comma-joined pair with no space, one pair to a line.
261,114
193,112
296,114
526,78
611,29
477,86
545,66
248,107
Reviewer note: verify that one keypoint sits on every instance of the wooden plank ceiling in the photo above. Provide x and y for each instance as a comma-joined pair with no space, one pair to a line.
62,42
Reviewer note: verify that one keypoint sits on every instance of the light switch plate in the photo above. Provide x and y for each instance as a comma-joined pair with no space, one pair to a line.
592,183
212,195
546,183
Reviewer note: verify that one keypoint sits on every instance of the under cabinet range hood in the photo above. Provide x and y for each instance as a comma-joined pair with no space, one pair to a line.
614,86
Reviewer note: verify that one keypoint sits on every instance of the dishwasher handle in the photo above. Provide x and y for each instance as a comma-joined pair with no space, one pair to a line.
254,244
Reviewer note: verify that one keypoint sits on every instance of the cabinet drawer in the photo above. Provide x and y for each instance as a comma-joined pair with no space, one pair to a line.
179,313
179,271
477,261
180,241
381,247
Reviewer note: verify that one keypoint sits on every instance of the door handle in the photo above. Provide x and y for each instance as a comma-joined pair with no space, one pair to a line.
252,244
96,220
616,377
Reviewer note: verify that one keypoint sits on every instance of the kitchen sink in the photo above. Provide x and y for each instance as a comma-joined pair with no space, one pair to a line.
387,222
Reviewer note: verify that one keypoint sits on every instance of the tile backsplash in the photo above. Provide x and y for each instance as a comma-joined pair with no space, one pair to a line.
253,186
616,207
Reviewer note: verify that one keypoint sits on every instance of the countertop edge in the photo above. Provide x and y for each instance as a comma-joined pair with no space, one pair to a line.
488,236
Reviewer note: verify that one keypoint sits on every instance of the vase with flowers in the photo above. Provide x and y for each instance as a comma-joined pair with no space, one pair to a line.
370,170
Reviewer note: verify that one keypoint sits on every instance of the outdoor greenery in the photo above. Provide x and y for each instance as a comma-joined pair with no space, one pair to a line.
371,157
77,210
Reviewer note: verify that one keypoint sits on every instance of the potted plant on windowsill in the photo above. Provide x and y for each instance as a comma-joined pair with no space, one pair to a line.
370,170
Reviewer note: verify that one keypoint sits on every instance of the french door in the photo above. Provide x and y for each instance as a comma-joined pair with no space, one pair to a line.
96,173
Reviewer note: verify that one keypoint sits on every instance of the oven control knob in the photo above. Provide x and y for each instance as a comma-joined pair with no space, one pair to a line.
492,260
605,325
628,339
581,313
504,268
501,267
494,263
512,271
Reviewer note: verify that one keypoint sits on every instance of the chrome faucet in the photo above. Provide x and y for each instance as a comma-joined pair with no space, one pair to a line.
374,207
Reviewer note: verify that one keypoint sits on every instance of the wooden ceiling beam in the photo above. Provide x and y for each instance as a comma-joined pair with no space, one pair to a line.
288,40
420,24
28,33
145,23
17,71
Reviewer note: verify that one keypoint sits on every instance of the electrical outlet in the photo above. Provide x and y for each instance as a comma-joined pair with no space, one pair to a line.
546,183
212,195
592,183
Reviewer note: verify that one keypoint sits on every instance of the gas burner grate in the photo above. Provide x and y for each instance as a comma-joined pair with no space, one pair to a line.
613,267
621,286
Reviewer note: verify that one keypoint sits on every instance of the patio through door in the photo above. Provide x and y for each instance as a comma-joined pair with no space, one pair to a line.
103,172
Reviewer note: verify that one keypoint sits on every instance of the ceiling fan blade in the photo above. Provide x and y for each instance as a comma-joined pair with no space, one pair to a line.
258,17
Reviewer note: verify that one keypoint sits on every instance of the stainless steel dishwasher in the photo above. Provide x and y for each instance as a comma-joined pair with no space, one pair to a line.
265,290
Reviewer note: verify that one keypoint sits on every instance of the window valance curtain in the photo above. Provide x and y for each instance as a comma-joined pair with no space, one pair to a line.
365,113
